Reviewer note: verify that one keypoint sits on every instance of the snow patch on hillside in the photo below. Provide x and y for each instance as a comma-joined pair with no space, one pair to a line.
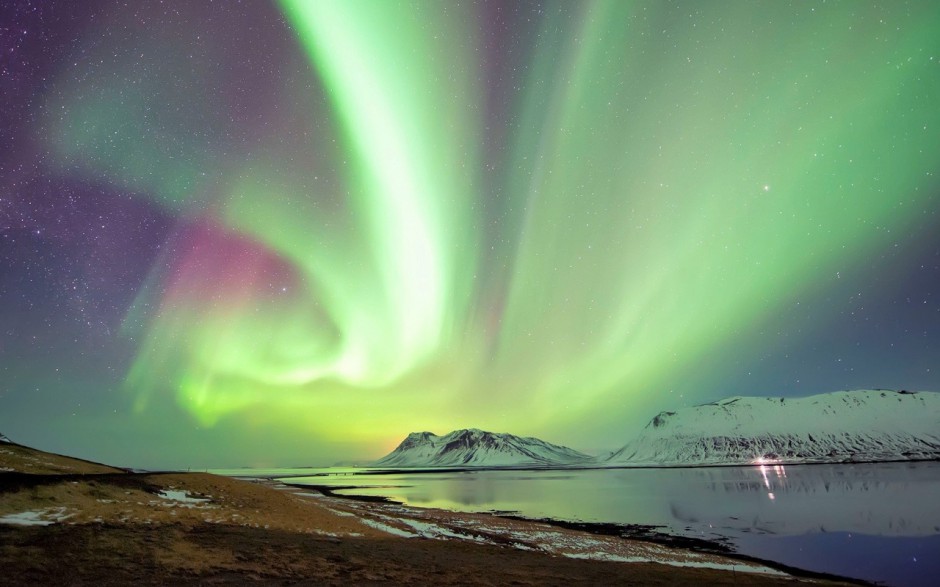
183,498
44,517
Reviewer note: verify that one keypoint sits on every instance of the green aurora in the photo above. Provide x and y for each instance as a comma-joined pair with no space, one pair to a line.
417,239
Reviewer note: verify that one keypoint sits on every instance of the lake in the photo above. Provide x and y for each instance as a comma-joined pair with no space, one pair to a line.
879,522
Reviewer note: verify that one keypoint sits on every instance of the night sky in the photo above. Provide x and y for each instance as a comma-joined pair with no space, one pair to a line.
289,233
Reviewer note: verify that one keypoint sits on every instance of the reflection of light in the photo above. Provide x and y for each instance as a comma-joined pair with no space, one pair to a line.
778,469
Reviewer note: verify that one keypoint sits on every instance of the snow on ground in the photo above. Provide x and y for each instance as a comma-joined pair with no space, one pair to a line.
373,523
182,498
429,530
44,517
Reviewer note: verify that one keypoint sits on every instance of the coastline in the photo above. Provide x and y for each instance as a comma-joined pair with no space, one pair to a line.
603,547
188,528
65,520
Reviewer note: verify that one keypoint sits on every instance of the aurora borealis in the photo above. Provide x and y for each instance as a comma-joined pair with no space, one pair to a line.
291,233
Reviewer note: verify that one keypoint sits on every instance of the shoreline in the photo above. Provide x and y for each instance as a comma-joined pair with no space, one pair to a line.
193,528
65,520
634,532
369,470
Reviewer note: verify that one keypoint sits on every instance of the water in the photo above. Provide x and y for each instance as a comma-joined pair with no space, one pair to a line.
879,522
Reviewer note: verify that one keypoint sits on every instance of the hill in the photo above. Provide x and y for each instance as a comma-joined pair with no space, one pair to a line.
844,426
23,459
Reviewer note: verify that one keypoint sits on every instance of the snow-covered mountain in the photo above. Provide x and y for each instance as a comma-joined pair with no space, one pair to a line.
865,425
477,448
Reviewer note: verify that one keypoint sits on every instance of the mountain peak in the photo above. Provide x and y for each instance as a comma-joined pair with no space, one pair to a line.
477,448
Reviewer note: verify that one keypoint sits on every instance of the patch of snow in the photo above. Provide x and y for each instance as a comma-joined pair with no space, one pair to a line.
725,567
386,528
181,496
38,518
26,519
743,567
428,530
605,556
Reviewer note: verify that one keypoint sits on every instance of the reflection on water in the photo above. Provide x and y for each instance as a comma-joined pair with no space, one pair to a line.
867,510
779,470
895,499
892,499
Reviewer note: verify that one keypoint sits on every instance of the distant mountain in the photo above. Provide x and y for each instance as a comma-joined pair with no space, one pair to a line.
843,426
477,448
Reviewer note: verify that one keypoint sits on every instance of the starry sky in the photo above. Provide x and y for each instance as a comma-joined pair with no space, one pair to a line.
289,233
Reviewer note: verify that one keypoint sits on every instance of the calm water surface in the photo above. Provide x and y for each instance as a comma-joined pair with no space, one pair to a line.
879,522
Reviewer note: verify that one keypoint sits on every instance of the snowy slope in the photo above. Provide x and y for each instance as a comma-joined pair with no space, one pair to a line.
477,448
4,438
866,425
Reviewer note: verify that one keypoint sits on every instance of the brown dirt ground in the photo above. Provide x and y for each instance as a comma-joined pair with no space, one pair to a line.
103,554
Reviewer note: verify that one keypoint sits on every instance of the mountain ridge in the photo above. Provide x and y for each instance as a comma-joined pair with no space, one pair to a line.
477,448
842,426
